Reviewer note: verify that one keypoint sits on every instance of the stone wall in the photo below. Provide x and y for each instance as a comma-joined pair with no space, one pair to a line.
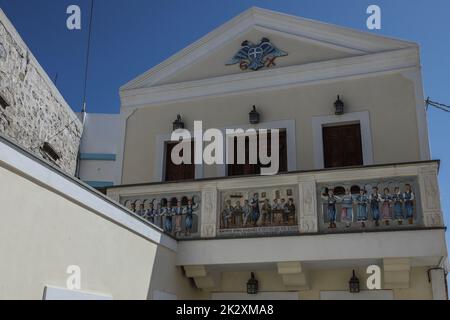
32,110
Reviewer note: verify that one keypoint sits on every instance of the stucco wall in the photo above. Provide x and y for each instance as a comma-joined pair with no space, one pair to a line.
42,233
389,99
37,113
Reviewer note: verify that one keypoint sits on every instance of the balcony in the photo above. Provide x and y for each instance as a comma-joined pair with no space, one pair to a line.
331,201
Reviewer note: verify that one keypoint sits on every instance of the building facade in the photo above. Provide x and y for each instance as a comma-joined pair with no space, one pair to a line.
356,186
356,195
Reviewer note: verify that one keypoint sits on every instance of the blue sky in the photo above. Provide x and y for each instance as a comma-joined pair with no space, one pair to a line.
129,37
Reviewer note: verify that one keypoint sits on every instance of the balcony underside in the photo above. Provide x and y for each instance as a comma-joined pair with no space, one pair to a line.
423,247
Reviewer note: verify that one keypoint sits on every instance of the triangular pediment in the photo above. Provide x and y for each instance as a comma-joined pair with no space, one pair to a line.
300,40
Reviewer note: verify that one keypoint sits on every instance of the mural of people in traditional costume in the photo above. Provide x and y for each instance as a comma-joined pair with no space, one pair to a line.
177,215
265,208
394,203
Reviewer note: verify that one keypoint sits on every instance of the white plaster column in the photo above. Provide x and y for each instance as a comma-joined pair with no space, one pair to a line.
208,219
429,194
437,277
307,211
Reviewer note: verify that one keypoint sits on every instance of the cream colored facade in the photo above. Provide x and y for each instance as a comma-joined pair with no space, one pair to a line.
377,77
51,221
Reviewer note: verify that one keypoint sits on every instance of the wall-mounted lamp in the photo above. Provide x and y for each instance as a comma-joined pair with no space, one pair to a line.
253,116
252,285
354,283
338,106
178,123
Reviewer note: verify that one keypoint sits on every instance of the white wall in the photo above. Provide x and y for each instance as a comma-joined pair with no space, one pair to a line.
103,134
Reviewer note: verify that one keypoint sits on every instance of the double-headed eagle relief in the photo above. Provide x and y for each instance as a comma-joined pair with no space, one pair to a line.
254,57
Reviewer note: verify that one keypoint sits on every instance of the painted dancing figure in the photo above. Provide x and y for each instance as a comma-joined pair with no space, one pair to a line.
347,208
361,201
397,199
408,198
247,209
168,213
254,202
189,221
151,212
178,214
375,199
331,200
386,200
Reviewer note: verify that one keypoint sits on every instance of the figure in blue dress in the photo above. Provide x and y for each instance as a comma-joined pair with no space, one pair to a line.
151,212
408,198
361,205
254,202
168,213
141,212
330,200
178,217
397,199
159,214
189,221
375,199
386,201
347,208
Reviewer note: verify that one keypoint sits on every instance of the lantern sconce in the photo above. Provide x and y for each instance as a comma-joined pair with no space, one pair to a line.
252,285
354,283
339,106
253,116
178,123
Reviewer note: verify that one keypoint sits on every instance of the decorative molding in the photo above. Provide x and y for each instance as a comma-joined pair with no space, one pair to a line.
430,195
203,279
307,215
285,77
362,118
293,275
209,209
338,37
396,273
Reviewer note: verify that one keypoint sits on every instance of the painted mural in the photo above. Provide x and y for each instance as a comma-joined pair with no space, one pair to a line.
258,210
375,204
175,214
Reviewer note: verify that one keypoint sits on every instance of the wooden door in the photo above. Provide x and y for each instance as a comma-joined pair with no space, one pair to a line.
182,171
249,169
342,146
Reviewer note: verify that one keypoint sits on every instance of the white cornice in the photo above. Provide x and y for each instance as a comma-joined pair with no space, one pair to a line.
332,70
337,37
27,166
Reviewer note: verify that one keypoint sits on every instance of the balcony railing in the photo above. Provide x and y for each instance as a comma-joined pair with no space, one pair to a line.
358,199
